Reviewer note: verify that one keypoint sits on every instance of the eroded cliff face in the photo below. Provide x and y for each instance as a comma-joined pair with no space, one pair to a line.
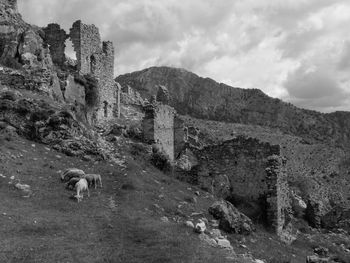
20,43
206,99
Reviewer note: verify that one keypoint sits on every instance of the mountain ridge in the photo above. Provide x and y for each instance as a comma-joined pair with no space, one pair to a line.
205,98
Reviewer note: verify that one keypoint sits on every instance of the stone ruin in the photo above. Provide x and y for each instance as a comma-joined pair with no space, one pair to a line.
249,173
94,58
162,126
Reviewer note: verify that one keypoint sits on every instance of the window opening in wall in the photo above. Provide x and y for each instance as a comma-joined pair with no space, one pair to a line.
92,64
105,108
69,50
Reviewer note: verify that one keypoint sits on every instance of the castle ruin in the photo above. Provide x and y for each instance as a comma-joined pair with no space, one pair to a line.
94,58
249,173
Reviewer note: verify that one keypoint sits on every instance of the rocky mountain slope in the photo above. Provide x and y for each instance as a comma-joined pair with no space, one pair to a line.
206,99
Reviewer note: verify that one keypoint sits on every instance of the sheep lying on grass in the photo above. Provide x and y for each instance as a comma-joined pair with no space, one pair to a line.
93,179
81,186
71,173
72,182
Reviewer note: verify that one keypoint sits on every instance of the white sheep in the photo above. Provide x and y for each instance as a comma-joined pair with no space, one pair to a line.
93,178
70,173
81,186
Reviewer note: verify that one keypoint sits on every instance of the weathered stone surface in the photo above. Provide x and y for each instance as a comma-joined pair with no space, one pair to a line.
242,160
163,95
230,219
298,205
200,227
186,161
158,127
223,243
337,218
321,251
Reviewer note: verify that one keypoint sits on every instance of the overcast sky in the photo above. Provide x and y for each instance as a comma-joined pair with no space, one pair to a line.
296,50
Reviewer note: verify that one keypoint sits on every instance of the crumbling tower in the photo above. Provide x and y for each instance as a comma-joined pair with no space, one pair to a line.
96,59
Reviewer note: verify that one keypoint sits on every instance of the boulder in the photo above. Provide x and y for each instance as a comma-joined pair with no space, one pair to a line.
223,243
321,251
189,224
186,161
24,188
230,219
298,205
316,259
200,227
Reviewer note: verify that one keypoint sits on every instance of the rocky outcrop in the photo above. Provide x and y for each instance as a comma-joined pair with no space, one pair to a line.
20,43
230,219
204,98
39,121
163,95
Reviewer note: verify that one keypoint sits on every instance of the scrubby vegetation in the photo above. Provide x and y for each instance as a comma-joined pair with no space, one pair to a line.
91,88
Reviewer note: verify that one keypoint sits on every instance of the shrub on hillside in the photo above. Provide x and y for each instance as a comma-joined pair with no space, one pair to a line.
11,63
90,84
160,159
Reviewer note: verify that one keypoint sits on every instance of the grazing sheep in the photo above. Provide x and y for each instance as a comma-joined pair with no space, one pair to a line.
82,185
70,173
93,179
72,182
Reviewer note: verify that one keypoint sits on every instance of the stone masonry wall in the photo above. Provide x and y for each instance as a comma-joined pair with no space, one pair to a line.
56,37
278,200
86,42
158,127
242,160
253,171
97,59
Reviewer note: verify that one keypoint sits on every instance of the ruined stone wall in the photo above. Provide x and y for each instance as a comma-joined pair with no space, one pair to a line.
56,37
158,127
86,42
241,160
97,59
102,66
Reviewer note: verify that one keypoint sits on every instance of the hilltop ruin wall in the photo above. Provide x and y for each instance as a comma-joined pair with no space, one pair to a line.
158,127
94,58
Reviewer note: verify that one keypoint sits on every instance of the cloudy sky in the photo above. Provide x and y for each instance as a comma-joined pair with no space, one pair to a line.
296,50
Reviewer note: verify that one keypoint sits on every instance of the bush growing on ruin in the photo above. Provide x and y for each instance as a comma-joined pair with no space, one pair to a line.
11,63
160,159
90,84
